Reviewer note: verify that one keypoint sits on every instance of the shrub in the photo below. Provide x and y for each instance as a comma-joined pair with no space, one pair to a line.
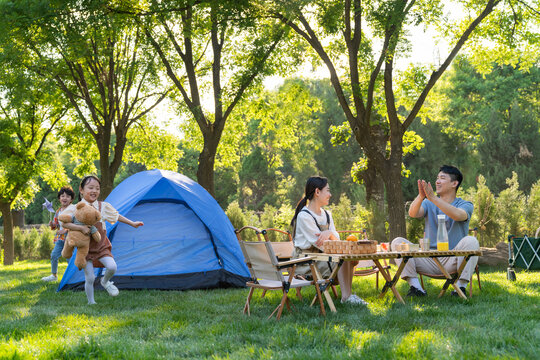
342,214
283,217
361,218
46,242
31,244
415,228
252,218
532,218
267,221
348,217
510,206
18,241
236,216
484,214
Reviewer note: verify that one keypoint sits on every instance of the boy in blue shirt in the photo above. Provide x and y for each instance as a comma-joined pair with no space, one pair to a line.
457,213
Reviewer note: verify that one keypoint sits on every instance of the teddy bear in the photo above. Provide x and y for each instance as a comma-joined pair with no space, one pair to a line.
84,215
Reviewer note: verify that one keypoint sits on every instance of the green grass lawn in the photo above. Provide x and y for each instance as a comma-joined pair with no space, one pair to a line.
502,321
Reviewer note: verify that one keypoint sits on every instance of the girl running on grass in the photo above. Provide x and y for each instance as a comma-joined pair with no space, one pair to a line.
99,254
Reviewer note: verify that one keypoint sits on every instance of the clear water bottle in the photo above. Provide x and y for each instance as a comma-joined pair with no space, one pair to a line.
442,234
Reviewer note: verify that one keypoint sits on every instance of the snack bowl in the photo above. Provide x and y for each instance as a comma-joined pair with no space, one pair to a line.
414,247
402,247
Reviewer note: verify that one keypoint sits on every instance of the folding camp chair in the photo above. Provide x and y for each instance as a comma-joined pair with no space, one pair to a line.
441,276
366,267
282,250
267,274
523,253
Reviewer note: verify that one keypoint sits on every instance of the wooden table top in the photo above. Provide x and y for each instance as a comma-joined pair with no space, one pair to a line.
392,255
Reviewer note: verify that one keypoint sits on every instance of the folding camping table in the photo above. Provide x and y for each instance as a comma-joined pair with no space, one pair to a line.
451,279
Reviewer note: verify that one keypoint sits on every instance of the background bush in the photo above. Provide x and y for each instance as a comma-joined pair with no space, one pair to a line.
18,240
33,244
46,242
236,216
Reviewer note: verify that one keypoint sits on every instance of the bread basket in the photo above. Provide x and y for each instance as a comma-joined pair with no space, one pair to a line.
350,247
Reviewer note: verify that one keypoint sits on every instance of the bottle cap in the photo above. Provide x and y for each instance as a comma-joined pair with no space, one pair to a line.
441,216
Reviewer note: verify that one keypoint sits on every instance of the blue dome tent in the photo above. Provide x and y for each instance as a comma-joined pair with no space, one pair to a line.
187,241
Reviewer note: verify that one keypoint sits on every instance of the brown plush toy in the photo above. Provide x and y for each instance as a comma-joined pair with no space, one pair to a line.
84,215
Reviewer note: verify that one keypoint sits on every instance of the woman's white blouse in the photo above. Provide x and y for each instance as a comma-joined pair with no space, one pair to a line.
108,212
306,228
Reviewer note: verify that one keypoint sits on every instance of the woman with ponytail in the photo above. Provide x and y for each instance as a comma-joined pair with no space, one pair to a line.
312,225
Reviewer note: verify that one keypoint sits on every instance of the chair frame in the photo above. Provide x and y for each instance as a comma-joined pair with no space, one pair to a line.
281,246
284,271
442,277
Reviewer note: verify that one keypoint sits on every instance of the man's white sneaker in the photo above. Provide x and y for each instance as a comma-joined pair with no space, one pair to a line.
49,278
354,299
111,289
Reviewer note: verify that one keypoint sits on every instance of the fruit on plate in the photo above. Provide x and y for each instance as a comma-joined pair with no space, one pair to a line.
352,238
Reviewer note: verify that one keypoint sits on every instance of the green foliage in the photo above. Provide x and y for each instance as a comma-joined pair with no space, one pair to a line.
107,75
440,148
494,117
46,242
153,147
343,214
18,243
258,180
29,111
283,217
187,165
532,213
235,215
415,228
510,207
267,221
267,217
33,244
510,37
484,213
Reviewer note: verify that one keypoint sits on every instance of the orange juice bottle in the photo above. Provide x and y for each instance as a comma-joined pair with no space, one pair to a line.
442,234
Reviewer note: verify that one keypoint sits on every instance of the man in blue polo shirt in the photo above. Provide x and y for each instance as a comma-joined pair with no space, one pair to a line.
457,213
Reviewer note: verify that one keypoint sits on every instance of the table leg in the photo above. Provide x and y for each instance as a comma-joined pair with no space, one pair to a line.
318,289
390,282
324,287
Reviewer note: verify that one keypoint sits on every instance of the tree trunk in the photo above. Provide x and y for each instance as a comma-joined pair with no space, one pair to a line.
375,200
205,171
396,207
9,253
17,217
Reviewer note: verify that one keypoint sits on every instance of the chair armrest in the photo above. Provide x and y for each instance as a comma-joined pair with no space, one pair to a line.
257,230
289,263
